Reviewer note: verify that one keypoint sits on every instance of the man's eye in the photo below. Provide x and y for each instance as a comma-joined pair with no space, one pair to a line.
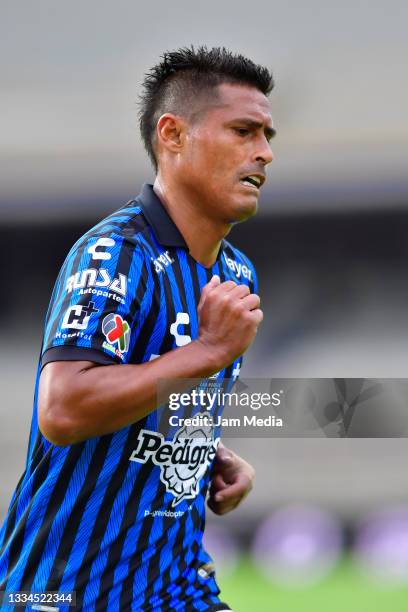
242,131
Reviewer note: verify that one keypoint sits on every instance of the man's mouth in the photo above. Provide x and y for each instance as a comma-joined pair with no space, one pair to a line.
253,180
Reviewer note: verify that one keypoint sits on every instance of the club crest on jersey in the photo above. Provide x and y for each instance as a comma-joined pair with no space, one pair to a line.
101,280
183,461
238,268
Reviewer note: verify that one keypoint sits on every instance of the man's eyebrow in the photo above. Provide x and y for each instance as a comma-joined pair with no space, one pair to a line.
252,123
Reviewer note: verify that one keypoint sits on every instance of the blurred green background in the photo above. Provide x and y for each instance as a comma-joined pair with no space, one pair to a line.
344,590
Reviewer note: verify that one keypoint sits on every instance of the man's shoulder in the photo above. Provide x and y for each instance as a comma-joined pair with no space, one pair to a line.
126,221
126,225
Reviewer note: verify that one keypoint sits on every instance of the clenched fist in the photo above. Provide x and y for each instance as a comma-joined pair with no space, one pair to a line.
229,316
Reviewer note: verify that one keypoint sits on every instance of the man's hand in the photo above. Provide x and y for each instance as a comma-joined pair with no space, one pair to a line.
232,479
229,316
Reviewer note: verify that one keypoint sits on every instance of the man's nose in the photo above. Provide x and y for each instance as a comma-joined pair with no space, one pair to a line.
264,154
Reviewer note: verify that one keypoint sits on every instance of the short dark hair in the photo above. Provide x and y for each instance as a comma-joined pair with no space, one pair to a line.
188,74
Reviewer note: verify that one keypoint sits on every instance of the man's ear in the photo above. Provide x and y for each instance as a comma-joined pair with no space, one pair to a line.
171,132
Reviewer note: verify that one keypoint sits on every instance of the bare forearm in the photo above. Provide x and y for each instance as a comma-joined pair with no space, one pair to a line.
80,400
101,399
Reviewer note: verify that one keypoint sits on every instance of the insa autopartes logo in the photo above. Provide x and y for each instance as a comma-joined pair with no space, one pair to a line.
116,331
183,461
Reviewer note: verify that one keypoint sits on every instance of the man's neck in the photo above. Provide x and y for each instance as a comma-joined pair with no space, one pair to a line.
201,233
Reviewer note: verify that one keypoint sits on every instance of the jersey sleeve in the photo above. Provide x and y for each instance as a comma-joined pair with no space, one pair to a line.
98,303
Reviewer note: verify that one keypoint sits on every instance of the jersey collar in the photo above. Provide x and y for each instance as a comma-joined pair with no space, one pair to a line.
163,226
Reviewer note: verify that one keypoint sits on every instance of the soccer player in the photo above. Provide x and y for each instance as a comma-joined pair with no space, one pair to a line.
108,507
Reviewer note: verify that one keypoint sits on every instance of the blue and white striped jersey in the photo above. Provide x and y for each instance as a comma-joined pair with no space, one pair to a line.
119,518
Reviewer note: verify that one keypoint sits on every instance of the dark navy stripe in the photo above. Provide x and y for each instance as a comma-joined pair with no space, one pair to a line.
136,579
144,298
128,521
91,511
15,547
54,503
68,536
103,515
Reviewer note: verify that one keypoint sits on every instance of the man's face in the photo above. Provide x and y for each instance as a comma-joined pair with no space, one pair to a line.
226,151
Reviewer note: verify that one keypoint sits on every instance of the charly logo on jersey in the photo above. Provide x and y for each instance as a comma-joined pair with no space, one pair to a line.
183,461
98,282
239,269
182,318
97,250
162,261
78,316
117,332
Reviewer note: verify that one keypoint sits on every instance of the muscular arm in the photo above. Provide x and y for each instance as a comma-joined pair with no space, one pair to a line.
80,399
